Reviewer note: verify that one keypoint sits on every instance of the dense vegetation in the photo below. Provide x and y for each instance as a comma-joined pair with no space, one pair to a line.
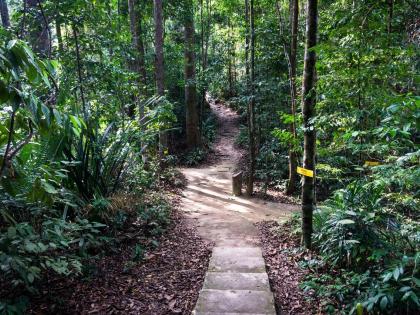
100,99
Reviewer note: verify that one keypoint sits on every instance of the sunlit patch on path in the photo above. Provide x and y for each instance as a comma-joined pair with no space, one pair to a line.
236,281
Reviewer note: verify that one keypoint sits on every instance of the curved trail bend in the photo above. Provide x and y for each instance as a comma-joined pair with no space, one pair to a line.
236,281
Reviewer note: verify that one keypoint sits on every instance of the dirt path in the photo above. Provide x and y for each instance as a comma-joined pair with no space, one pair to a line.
236,281
222,218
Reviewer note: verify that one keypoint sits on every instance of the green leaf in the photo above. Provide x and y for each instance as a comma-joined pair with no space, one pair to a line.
404,289
49,188
345,221
384,303
31,277
11,232
396,273
30,247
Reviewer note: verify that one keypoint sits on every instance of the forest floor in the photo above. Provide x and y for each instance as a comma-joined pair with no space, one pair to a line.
166,281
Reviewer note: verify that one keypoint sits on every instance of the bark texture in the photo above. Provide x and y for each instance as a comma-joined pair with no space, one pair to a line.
137,40
39,32
251,106
293,178
192,119
4,11
159,63
308,111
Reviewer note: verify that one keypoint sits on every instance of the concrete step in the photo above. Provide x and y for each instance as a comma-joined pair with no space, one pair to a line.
237,259
236,281
235,301
237,251
207,313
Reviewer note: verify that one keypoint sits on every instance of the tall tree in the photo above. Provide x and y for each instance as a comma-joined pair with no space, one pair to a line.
251,105
4,11
290,56
247,40
159,62
291,187
137,40
137,43
192,118
40,34
308,111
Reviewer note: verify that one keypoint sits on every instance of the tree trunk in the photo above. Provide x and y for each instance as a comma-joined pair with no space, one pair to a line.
40,35
251,108
247,41
59,35
206,48
293,178
159,65
4,11
192,119
142,54
79,72
160,72
137,43
137,40
308,111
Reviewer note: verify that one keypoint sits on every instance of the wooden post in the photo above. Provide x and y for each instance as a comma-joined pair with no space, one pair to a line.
237,184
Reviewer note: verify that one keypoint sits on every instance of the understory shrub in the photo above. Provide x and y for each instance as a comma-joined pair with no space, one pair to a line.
368,240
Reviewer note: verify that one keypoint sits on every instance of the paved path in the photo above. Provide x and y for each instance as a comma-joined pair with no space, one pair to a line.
236,282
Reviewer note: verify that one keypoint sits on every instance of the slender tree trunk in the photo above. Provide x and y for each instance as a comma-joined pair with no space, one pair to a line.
203,65
137,40
59,35
247,42
251,107
160,71
4,11
293,178
390,15
142,54
206,48
159,65
230,71
79,72
40,33
308,111
192,119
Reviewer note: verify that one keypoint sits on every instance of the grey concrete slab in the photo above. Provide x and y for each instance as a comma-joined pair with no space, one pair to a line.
206,313
237,281
237,264
237,251
235,301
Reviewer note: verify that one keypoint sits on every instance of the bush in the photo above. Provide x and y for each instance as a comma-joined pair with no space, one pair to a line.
154,215
368,250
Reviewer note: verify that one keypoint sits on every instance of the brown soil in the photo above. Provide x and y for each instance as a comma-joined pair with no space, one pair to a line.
282,255
224,146
167,281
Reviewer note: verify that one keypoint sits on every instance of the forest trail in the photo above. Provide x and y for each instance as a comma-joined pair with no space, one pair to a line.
236,281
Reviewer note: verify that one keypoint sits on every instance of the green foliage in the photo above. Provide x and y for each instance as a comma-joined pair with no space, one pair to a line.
369,245
154,216
63,157
25,253
194,157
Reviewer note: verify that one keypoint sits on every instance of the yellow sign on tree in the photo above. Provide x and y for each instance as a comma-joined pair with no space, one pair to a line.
305,172
372,163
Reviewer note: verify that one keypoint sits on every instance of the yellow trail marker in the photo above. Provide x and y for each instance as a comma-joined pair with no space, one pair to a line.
372,163
305,172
